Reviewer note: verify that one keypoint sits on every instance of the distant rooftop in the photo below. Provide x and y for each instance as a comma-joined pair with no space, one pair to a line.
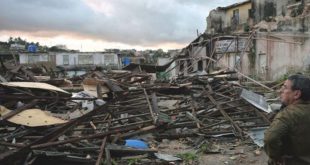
234,5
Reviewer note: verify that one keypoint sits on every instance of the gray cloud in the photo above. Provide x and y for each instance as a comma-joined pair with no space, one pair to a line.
133,22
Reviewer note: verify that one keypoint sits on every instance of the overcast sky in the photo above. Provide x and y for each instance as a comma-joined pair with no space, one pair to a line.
93,25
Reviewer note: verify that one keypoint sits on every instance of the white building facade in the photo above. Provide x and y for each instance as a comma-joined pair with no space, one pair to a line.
72,58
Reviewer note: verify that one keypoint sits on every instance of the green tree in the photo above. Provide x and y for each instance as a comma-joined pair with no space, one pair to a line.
11,40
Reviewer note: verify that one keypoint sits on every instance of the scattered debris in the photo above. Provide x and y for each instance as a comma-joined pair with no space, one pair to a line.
105,120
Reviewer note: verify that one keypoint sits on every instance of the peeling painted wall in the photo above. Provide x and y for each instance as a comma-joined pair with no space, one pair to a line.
215,21
245,64
284,53
290,15
264,9
230,60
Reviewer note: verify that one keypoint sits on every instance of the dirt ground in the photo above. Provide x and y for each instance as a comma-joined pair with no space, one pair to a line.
223,153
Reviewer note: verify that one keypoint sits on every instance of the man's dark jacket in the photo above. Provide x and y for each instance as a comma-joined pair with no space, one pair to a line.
287,140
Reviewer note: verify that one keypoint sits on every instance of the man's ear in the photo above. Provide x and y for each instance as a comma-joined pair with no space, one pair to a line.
297,94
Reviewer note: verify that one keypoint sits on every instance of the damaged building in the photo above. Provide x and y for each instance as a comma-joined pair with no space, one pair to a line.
259,38
223,43
282,37
235,17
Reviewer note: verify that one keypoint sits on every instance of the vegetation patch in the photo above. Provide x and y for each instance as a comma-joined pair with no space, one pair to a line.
189,158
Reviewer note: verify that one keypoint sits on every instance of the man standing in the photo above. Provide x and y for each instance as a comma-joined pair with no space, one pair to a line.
287,140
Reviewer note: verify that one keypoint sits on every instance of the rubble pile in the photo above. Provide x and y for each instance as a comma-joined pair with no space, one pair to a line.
118,116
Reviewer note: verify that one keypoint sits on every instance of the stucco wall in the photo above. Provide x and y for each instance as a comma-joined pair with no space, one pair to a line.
264,9
225,61
231,61
285,53
245,64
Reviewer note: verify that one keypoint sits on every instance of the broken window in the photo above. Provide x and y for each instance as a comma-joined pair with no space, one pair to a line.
269,11
181,69
200,65
236,16
190,66
251,13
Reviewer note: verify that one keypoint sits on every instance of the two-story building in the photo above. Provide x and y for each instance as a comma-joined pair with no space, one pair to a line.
232,18
262,38
227,37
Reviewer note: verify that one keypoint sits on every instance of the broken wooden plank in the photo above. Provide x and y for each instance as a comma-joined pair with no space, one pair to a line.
18,110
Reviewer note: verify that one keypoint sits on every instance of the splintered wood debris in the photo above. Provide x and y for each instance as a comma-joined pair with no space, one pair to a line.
44,124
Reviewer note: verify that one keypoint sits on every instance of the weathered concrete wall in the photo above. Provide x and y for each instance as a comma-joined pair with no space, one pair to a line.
227,61
283,52
198,51
215,21
162,61
297,24
245,64
270,9
280,51
28,58
235,60
264,9
196,61
281,7
233,53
